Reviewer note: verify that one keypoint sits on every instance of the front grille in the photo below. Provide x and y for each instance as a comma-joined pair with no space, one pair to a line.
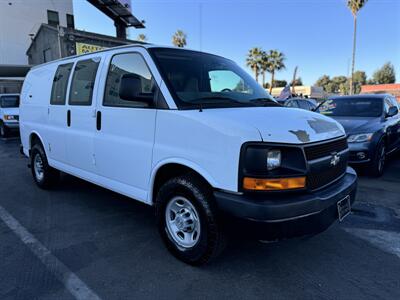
322,178
326,149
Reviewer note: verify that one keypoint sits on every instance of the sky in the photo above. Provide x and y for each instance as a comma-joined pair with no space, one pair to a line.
315,35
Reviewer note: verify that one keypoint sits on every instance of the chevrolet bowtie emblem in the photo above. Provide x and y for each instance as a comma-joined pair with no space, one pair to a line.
335,159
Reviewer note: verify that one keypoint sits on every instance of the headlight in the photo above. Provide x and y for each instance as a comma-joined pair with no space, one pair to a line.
360,138
273,159
9,117
271,167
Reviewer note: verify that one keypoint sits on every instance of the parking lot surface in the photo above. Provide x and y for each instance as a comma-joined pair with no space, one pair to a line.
79,240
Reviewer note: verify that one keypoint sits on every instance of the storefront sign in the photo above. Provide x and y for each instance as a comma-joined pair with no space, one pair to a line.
82,48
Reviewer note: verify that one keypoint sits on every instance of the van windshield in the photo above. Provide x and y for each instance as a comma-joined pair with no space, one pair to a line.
9,101
197,79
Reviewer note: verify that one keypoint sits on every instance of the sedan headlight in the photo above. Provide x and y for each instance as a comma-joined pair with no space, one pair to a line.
10,117
360,138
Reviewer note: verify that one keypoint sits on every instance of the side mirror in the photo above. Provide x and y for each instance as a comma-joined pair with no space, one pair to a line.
392,111
130,89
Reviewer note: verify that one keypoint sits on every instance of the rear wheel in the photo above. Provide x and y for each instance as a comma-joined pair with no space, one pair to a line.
187,220
44,175
378,164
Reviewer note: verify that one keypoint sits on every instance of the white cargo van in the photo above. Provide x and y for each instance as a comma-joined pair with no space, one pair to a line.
191,134
9,113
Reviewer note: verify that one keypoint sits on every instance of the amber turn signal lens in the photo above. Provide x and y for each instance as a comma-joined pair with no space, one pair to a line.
275,184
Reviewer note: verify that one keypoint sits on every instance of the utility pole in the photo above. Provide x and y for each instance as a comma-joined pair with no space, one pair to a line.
294,80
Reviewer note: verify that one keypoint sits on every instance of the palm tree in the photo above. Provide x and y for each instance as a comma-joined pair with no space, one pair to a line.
179,39
275,63
354,6
142,37
264,62
253,61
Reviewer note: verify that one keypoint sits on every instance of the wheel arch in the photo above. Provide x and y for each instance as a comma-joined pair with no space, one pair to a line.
35,137
172,168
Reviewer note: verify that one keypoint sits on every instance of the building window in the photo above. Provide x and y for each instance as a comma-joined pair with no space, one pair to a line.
70,21
47,55
52,18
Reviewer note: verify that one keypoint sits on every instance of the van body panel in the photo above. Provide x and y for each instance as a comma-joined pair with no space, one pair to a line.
211,143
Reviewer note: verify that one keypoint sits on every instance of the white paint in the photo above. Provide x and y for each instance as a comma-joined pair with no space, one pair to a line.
71,281
21,18
385,240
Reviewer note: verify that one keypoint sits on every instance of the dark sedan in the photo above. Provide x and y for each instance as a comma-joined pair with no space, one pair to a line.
372,124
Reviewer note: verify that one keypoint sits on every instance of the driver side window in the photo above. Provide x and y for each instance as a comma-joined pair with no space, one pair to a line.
226,81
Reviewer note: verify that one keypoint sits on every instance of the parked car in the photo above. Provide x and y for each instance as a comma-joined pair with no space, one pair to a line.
303,103
372,123
192,134
9,113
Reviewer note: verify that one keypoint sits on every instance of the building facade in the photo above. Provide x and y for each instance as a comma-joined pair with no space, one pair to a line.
393,88
51,43
20,20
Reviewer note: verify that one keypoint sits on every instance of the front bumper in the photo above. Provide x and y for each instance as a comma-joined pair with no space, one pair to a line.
278,216
361,153
11,125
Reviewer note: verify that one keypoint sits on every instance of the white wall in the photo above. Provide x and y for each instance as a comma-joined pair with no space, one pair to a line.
20,19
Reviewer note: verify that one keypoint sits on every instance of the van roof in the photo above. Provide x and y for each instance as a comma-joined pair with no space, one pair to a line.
146,46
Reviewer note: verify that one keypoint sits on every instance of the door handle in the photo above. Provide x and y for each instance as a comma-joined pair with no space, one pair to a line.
98,120
69,118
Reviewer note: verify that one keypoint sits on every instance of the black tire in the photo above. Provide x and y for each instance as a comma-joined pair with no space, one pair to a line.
50,176
377,166
212,239
3,130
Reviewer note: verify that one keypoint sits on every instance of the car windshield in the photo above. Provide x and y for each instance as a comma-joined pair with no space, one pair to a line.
9,101
352,107
198,79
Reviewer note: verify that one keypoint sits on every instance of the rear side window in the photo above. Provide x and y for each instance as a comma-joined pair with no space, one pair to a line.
127,63
83,82
60,82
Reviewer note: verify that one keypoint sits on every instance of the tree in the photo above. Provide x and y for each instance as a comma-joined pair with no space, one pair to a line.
339,84
280,83
359,79
276,63
142,37
253,60
384,75
323,82
179,39
264,61
354,6
297,82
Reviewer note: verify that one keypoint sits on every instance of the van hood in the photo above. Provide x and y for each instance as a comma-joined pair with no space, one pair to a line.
280,124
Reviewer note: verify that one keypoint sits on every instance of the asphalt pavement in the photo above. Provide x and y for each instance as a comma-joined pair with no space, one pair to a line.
82,241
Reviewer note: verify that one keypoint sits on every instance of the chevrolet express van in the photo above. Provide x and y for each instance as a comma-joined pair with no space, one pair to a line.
9,113
193,135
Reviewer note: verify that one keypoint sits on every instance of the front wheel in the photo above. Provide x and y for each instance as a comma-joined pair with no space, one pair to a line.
377,166
3,130
187,220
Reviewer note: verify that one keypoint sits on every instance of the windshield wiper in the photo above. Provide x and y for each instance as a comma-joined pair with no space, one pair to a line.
265,102
228,99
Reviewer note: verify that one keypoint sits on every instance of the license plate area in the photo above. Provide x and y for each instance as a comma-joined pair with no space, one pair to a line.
344,208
